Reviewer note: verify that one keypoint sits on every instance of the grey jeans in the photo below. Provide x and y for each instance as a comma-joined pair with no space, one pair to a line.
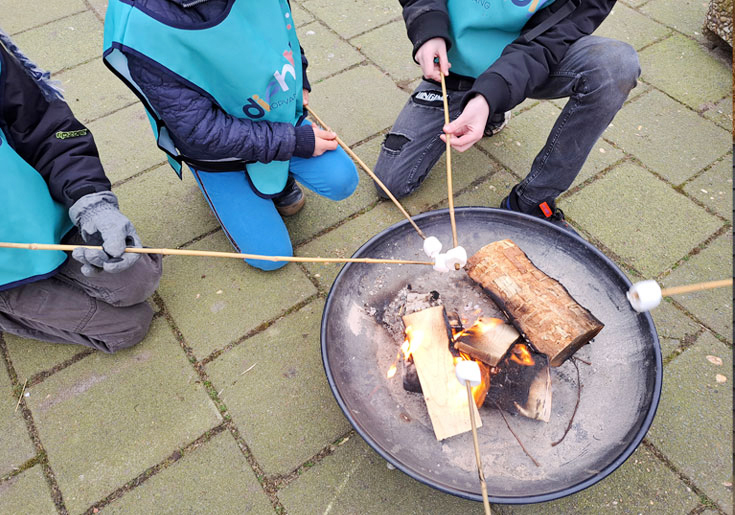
107,312
596,74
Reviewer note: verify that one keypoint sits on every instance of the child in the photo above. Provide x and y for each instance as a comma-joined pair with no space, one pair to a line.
502,52
224,85
53,181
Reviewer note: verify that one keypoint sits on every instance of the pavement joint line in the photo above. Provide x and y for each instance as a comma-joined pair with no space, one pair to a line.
114,111
150,472
101,18
686,342
14,34
684,478
696,250
138,174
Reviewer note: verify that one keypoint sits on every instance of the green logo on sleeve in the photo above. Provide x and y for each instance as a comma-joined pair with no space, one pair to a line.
71,134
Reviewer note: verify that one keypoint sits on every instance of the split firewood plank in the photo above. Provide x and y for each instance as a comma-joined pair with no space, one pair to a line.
446,399
487,341
542,309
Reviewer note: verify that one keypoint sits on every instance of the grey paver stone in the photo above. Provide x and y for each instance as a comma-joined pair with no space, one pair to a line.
346,239
282,406
693,425
630,26
92,91
213,478
353,16
713,307
686,16
667,137
27,493
389,47
681,68
655,226
356,480
19,16
99,7
714,188
327,53
673,327
300,15
105,420
516,146
216,301
31,356
641,485
488,193
720,113
15,445
50,45
166,211
125,143
357,103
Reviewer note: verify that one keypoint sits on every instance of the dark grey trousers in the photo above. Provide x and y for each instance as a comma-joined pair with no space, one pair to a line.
107,312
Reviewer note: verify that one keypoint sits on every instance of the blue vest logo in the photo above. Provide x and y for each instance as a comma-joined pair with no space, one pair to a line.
256,106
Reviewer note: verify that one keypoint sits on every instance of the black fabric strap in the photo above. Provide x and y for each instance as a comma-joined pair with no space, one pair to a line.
549,22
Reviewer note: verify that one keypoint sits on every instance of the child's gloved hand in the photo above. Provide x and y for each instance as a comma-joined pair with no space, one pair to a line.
99,221
432,56
323,140
469,127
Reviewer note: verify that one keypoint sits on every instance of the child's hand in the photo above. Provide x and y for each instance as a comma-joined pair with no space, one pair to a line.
323,141
433,49
468,128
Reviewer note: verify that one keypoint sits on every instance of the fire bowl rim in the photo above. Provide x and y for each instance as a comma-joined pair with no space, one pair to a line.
523,499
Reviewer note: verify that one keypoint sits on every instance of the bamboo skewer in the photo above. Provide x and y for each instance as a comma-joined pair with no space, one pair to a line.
450,192
676,290
370,173
478,459
215,254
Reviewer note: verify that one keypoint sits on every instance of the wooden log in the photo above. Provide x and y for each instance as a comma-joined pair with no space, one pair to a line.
539,306
488,340
446,399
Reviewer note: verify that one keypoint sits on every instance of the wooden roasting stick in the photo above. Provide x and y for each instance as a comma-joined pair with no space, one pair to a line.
215,254
554,323
450,192
476,443
676,290
369,172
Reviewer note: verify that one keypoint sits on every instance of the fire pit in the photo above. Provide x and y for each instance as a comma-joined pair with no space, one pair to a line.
621,373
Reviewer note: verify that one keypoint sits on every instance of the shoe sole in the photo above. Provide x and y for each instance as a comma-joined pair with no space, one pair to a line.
292,209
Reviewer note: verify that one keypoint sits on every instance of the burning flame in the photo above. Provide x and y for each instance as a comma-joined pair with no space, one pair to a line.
522,356
391,371
481,326
479,387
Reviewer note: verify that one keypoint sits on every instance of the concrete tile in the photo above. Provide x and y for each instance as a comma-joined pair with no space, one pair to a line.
99,7
713,307
693,425
107,419
667,137
674,328
488,193
517,145
283,406
654,225
327,53
300,15
630,26
63,43
720,113
19,16
681,68
27,493
216,301
714,188
354,16
346,239
167,212
356,480
213,478
641,485
125,143
372,106
33,356
92,91
686,16
16,446
389,47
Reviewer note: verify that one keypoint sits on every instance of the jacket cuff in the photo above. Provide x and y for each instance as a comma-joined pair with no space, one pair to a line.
495,90
84,190
433,24
305,141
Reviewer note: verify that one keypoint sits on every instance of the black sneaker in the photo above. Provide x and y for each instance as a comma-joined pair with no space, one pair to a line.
545,210
496,123
291,199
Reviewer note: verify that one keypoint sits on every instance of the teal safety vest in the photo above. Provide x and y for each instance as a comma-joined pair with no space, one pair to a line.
481,29
28,214
249,62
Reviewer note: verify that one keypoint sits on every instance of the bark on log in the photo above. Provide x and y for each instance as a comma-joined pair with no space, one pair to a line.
539,306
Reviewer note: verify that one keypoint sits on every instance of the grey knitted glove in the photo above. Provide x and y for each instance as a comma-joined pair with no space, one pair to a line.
100,222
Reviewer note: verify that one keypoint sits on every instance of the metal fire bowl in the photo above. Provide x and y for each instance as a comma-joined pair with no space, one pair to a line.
621,387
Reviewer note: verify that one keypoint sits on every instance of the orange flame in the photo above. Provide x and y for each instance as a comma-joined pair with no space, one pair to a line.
391,371
481,326
522,356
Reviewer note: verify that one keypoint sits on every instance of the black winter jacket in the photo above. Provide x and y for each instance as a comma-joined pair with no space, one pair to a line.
47,136
527,61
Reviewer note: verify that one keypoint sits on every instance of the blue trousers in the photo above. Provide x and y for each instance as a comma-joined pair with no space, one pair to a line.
252,223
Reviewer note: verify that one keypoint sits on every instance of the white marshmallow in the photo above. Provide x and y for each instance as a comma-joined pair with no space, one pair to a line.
456,256
644,295
440,263
468,371
432,246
